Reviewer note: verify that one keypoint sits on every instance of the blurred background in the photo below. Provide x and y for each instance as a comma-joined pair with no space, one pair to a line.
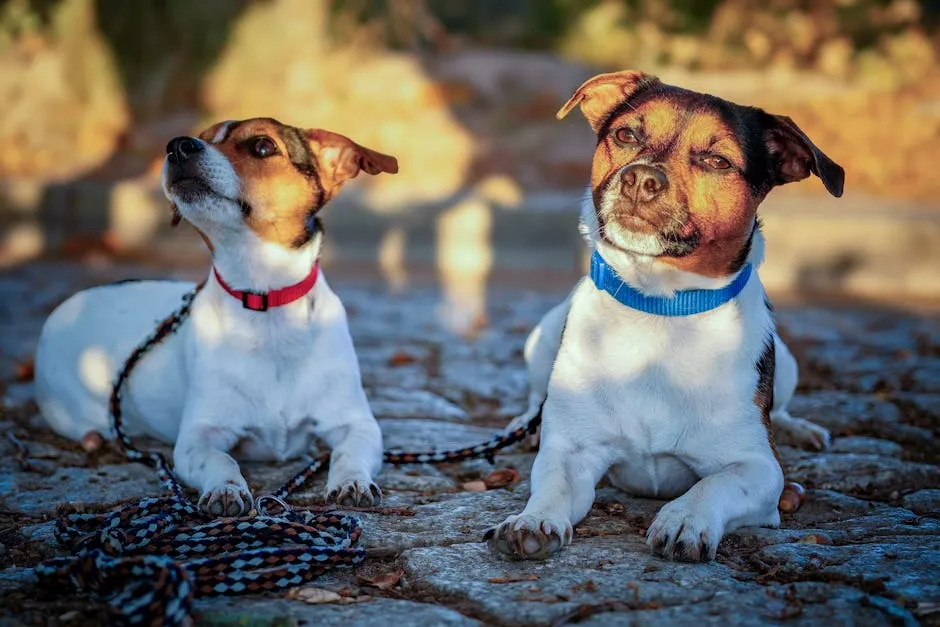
465,95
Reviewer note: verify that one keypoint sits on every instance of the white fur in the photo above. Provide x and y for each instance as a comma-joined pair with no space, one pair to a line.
664,406
257,385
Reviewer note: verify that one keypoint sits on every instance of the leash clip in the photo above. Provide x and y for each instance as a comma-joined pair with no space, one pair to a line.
259,507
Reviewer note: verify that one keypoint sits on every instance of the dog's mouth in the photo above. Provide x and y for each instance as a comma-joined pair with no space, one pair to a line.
189,188
632,233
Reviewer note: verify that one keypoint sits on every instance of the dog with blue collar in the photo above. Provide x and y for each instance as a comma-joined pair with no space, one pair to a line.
663,369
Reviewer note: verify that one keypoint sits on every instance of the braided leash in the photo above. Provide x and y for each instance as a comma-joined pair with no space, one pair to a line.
149,561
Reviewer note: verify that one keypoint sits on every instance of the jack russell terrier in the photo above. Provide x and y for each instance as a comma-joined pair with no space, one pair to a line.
663,369
265,362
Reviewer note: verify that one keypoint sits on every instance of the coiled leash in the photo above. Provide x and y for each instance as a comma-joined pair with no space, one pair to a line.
149,561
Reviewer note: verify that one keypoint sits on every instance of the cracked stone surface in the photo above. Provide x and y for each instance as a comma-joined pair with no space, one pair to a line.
863,550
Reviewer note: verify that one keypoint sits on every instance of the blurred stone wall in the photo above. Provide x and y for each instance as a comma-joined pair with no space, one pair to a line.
464,94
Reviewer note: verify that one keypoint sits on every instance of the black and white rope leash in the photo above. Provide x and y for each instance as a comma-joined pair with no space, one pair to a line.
150,560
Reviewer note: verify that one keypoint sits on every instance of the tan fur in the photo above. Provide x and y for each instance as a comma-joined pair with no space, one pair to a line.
281,197
721,206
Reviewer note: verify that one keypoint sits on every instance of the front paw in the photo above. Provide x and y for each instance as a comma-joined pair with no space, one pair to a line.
680,533
800,432
530,537
355,493
233,498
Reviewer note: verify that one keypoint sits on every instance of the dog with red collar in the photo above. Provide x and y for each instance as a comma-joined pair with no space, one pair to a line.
663,370
264,364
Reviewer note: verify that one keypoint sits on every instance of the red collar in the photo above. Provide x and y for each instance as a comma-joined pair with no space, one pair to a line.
262,301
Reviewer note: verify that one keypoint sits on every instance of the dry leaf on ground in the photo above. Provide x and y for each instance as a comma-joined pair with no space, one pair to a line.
502,478
25,371
401,358
385,581
513,578
313,596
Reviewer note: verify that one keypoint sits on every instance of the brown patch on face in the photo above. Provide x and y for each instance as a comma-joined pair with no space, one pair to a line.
680,175
287,174
699,164
764,394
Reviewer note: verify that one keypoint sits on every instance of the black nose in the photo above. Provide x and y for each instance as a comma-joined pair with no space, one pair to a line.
644,181
182,148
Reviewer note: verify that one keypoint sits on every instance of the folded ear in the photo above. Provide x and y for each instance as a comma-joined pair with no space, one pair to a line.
599,96
341,158
796,157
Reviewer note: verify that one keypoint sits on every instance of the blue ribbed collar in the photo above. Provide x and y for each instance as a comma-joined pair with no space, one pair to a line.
683,303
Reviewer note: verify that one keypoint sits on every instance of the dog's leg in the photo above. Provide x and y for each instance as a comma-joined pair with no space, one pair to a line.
356,456
541,348
201,460
563,483
789,429
690,527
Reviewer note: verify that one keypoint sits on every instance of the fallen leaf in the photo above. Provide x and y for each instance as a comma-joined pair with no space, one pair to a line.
791,498
615,509
313,596
92,442
401,358
587,586
513,578
25,371
502,478
474,486
386,581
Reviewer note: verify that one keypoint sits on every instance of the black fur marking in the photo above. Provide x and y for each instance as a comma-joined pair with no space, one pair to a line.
228,131
741,258
765,372
764,394
245,207
299,153
313,226
675,246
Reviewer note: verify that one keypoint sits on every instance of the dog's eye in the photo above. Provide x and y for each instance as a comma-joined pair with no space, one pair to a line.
263,147
626,136
716,162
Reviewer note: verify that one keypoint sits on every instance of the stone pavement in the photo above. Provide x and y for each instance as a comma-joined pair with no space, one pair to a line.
863,550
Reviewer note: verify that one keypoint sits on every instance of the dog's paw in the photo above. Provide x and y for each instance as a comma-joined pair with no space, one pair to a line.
680,533
230,499
530,537
799,432
355,493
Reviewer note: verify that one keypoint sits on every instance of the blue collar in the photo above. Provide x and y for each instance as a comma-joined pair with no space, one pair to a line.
683,303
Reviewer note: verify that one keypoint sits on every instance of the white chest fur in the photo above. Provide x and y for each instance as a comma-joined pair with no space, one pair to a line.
655,395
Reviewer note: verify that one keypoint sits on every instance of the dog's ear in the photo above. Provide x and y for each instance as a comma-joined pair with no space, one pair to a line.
600,95
795,157
342,159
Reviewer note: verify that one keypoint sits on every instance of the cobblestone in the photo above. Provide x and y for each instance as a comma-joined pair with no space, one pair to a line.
863,549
